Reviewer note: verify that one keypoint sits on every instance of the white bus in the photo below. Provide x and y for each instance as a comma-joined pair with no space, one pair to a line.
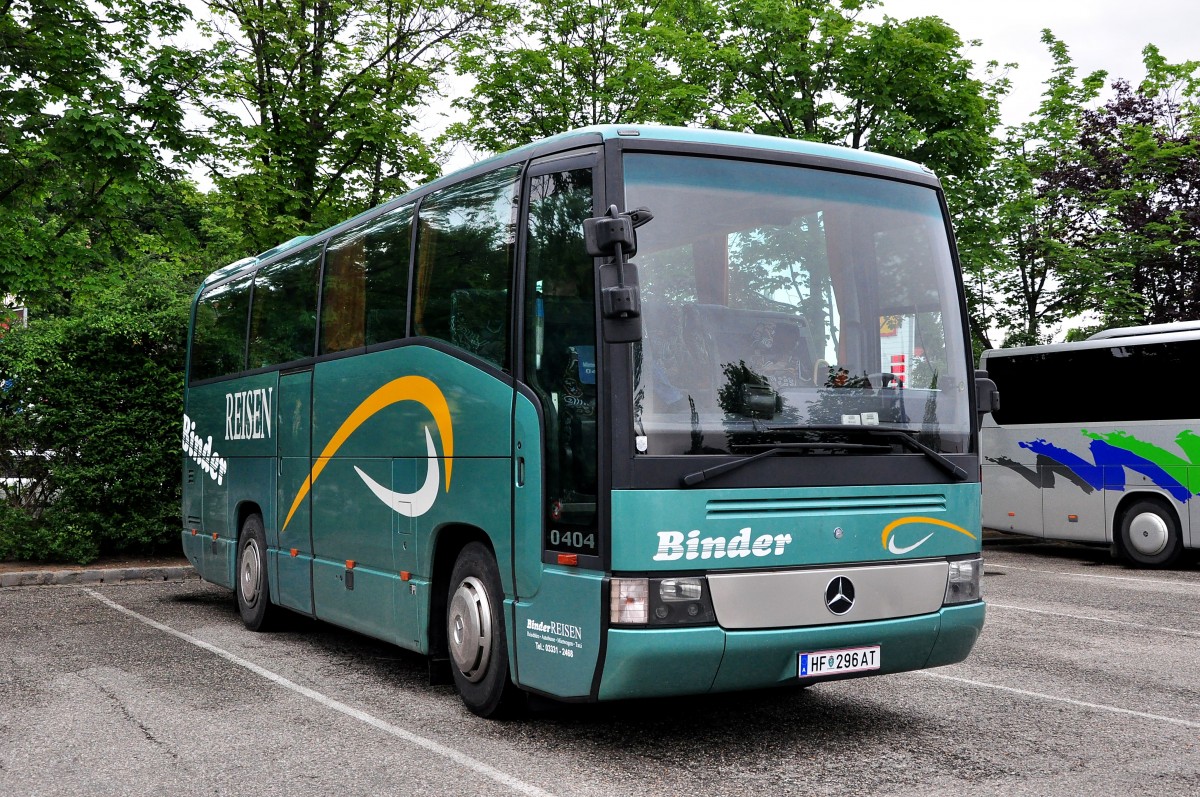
1095,442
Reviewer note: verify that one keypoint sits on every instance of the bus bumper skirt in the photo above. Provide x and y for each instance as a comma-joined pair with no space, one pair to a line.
649,662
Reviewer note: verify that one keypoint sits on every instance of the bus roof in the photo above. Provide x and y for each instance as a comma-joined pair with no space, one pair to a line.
729,138
1148,329
597,134
1122,336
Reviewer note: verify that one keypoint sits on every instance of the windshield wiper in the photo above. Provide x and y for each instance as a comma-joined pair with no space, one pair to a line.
775,449
906,438
909,439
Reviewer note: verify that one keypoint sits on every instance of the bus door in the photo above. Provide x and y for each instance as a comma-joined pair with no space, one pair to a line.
292,551
557,571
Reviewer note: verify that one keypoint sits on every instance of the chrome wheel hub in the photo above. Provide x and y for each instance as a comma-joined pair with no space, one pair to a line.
469,628
250,581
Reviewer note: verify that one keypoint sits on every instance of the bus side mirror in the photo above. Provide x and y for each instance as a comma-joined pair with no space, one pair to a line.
603,234
612,235
987,396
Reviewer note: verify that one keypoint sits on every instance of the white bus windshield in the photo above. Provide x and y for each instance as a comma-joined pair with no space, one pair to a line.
779,301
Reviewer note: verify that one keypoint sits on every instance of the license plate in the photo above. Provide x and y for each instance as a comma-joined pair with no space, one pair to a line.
836,662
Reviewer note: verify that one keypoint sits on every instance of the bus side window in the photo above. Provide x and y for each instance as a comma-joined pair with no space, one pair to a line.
387,255
464,265
344,294
219,339
283,319
365,297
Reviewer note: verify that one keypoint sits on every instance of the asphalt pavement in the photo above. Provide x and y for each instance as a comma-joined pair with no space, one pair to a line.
1083,683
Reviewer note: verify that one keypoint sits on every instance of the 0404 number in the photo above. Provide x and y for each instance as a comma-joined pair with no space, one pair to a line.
577,540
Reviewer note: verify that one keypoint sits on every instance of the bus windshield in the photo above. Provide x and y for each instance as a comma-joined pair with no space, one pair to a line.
784,303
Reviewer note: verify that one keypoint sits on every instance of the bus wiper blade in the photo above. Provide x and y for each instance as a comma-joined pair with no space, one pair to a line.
772,449
909,439
906,438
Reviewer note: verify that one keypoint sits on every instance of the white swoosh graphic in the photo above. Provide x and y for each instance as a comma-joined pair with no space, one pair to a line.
420,502
892,542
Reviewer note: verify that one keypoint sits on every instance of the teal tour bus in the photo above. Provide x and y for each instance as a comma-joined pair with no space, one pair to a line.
628,412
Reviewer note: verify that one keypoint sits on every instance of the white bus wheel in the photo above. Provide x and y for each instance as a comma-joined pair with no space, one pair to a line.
1150,534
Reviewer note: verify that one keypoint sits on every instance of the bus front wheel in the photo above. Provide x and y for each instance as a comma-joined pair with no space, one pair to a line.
253,595
1150,534
475,633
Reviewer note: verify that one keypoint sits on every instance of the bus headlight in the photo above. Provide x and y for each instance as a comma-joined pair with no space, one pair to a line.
963,583
675,600
629,603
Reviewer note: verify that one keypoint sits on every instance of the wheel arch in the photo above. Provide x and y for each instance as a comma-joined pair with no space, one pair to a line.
1169,507
1131,497
245,509
447,543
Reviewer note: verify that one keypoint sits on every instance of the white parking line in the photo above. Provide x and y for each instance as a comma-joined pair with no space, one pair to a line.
1096,575
1164,629
1057,699
462,759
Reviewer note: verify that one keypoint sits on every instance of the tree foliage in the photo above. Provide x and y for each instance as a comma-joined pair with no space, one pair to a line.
569,64
817,70
1097,207
1139,178
1042,267
91,137
316,106
89,425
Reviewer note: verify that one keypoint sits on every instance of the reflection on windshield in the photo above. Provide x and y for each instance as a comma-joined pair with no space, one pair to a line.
776,298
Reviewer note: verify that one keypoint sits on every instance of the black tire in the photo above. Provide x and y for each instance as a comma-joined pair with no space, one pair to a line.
475,634
253,594
1149,534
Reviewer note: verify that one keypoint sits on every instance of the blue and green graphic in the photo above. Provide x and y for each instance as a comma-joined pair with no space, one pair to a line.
1113,452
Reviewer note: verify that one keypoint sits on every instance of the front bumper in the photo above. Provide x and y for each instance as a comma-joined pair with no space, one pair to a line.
648,662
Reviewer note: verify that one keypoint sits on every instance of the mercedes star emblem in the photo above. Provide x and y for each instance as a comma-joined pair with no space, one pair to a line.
839,595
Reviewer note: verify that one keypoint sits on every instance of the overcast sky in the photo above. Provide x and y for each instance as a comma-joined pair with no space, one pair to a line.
1099,34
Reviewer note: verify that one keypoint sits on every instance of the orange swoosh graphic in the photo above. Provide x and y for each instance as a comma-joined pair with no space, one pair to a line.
904,521
406,388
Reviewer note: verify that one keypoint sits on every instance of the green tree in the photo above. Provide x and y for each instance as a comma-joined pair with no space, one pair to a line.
1043,271
316,107
569,64
92,139
816,70
1139,179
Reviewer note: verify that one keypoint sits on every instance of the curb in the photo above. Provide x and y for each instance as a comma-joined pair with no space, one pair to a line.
123,575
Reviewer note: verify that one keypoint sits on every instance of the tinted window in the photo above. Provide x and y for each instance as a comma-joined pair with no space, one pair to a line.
464,265
1094,385
219,338
366,283
283,320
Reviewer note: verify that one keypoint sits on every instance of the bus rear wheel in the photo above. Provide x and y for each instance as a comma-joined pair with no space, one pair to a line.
1149,534
253,594
475,633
